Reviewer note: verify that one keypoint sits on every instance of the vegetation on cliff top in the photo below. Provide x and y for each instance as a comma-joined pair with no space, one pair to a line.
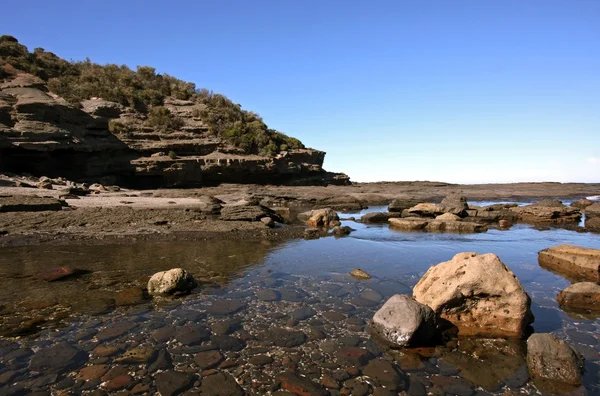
145,91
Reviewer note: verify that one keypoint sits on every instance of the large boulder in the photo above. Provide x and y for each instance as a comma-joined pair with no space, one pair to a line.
547,211
402,322
176,280
583,295
593,211
592,224
574,262
455,204
553,364
478,294
320,218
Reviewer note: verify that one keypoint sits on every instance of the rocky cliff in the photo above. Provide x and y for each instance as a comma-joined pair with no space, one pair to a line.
95,139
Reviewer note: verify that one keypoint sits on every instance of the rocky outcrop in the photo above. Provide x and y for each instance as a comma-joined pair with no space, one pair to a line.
581,296
553,364
423,209
547,211
176,280
491,213
21,203
574,262
42,134
478,294
402,322
439,224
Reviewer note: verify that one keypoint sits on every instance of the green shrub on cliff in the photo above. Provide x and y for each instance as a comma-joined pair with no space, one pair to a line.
145,91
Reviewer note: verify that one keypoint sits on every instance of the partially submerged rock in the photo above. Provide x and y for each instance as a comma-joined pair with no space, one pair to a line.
425,210
554,362
572,261
378,217
340,231
57,273
478,294
398,205
583,295
176,280
320,218
439,224
403,321
547,211
360,274
455,204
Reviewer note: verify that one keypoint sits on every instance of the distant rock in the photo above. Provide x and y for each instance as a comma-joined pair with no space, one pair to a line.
340,231
455,204
554,362
581,204
426,210
441,223
398,205
25,203
378,217
547,211
176,280
403,321
582,295
248,212
478,294
575,262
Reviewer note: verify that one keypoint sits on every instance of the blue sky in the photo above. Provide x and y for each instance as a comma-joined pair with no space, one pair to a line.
459,91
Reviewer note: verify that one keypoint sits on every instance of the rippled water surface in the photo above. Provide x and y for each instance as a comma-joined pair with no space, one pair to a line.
313,294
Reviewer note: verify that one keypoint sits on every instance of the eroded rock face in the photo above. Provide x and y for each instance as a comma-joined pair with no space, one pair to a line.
478,294
554,362
402,321
176,280
42,134
574,262
582,295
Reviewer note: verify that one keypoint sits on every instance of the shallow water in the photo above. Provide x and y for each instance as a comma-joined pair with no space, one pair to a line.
312,275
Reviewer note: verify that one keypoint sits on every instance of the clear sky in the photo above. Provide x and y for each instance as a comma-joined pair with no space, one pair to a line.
458,91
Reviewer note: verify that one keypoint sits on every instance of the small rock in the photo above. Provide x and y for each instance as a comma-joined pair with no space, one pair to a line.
137,355
360,274
221,384
268,295
387,374
301,385
226,307
170,382
172,281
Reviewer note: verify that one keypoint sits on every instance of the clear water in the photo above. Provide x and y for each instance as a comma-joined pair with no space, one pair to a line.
395,259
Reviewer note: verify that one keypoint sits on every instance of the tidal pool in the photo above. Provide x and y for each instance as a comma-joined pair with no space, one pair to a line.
264,309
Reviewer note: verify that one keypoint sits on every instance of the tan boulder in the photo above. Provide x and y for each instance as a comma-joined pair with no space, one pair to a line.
426,210
574,262
438,224
547,211
583,295
448,217
320,218
478,294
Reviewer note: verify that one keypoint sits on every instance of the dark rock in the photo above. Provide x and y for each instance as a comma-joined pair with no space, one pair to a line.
130,296
353,355
268,295
339,231
137,355
455,204
58,358
115,330
226,307
163,334
228,326
192,334
208,359
285,338
170,383
303,313
378,217
25,203
56,273
221,384
228,343
260,360
398,205
163,362
301,385
248,212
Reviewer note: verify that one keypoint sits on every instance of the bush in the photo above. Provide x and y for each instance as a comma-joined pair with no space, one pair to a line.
172,155
118,128
161,119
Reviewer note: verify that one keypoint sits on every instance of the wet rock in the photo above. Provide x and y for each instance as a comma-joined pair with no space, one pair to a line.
363,302
353,355
301,385
268,295
386,374
334,316
226,307
285,338
176,280
437,225
208,359
55,274
57,358
248,212
93,372
228,343
221,384
552,362
360,274
115,330
290,295
163,334
224,327
573,261
130,296
320,218
163,362
478,294
106,350
303,313
329,382
260,360
340,231
448,217
403,321
170,383
137,355
312,233
378,217
120,382
371,295
583,295
192,334
455,204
